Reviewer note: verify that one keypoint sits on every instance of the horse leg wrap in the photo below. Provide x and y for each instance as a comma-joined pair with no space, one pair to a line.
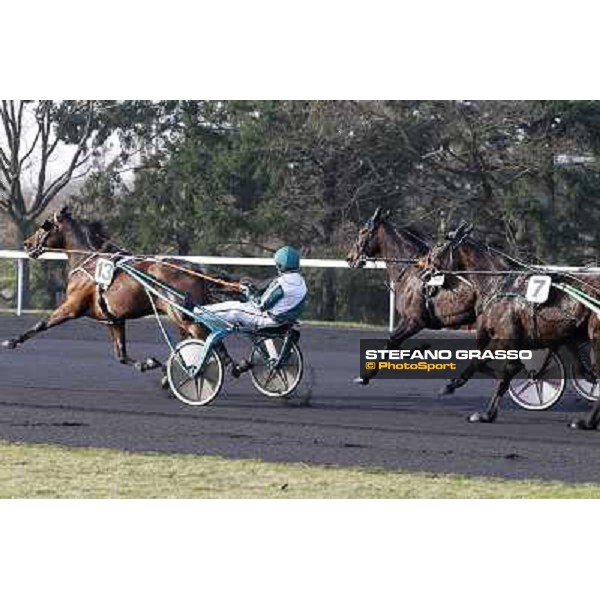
582,425
451,386
149,364
12,343
483,417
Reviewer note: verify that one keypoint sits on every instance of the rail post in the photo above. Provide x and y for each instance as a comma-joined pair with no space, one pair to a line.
20,283
392,308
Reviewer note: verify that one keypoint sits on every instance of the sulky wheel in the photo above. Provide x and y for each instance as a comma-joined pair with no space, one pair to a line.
270,379
590,390
188,385
541,383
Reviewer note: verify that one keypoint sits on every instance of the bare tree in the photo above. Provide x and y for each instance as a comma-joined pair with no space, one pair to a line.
36,137
32,134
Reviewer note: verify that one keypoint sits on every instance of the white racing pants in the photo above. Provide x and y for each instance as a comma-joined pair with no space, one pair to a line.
245,314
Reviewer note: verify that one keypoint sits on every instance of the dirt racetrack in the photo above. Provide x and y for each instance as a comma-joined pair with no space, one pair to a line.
65,387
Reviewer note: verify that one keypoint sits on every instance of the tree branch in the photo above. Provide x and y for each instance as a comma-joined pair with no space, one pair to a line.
45,195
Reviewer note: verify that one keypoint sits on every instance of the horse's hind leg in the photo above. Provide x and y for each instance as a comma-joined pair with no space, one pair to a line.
578,352
591,422
199,331
593,419
511,368
117,332
65,312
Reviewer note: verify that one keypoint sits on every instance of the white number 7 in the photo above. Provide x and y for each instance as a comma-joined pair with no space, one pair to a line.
538,288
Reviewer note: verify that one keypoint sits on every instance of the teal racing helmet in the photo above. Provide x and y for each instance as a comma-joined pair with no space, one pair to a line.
287,259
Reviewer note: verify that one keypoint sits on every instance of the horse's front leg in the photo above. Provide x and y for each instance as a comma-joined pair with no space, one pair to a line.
403,331
65,312
117,332
474,366
511,368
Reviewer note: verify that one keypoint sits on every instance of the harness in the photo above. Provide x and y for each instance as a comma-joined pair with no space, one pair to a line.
101,290
432,317
103,305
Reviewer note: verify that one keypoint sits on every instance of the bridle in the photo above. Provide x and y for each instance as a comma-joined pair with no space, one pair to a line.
454,240
361,248
370,227
48,226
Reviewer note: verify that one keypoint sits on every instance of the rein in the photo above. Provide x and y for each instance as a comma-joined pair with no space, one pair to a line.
529,269
90,254
227,284
401,261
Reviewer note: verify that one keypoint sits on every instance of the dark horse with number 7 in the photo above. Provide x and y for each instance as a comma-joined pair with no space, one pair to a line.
125,298
508,321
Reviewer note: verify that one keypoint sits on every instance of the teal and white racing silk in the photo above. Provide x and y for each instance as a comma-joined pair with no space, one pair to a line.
284,298
281,302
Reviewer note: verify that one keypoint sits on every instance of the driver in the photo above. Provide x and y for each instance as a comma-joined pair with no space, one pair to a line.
282,302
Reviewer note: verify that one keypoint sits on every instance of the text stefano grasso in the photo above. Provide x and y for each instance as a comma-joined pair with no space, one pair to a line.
427,354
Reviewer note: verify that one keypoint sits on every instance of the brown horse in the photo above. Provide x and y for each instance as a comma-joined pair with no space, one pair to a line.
124,299
508,321
418,306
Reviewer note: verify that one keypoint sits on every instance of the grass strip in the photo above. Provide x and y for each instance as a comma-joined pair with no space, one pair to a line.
52,471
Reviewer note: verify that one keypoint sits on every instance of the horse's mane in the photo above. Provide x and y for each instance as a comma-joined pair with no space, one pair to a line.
492,258
95,232
411,234
95,235
416,235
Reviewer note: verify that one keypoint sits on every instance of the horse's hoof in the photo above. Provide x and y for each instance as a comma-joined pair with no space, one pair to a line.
481,417
9,344
164,382
580,424
152,363
447,390
238,368
360,381
148,365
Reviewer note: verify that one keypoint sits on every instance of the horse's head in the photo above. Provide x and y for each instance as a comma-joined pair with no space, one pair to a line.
448,255
368,243
49,235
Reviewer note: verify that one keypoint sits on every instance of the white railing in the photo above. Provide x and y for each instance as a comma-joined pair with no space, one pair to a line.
318,263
